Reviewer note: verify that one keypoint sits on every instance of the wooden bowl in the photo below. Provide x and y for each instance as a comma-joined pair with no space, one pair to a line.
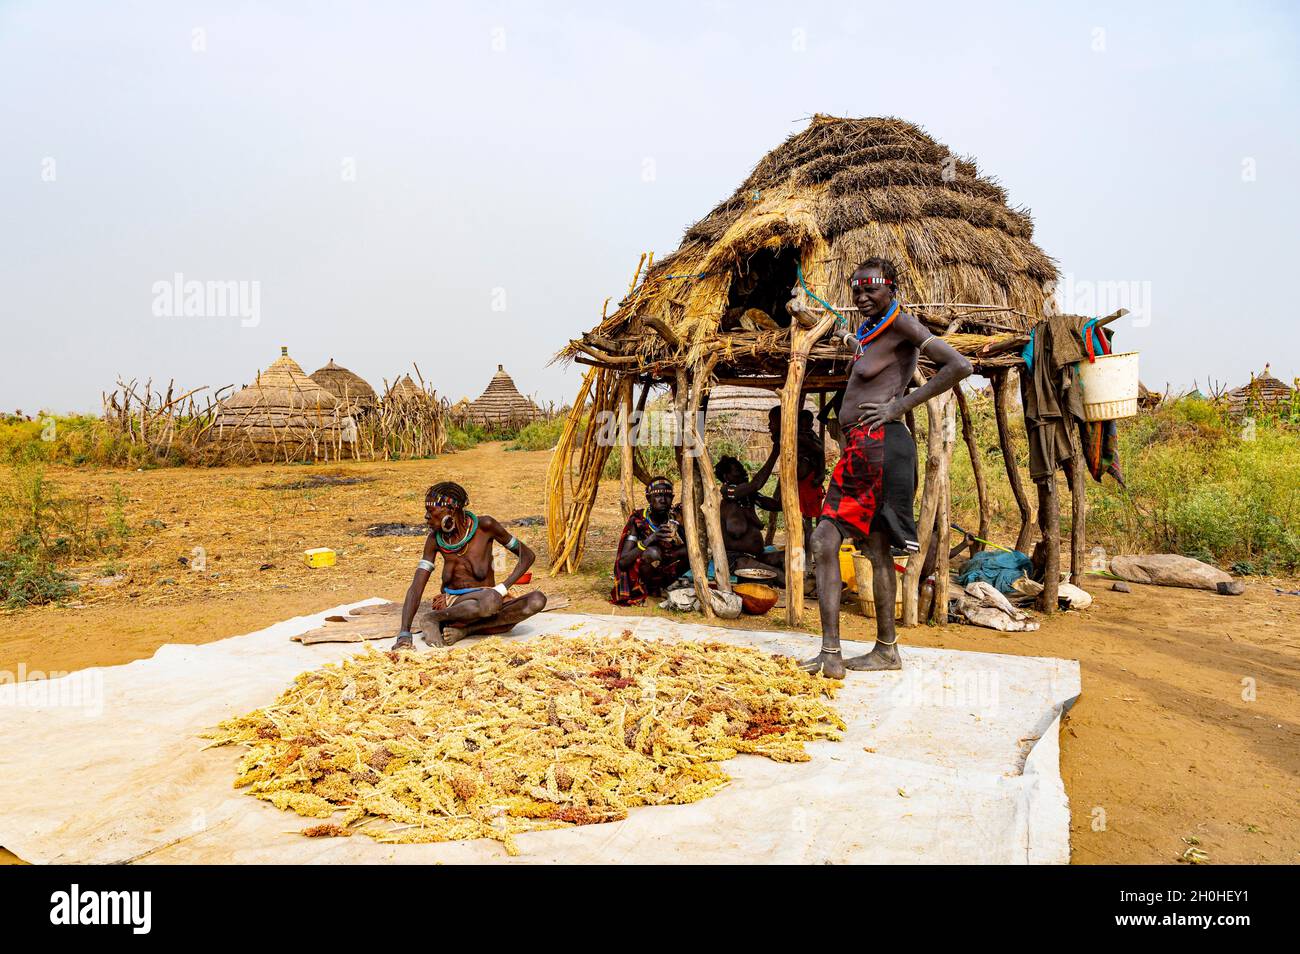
755,598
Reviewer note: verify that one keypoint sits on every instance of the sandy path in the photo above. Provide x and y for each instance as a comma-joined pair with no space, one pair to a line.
1162,746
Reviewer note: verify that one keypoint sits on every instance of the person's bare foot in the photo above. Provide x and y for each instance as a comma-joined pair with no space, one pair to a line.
432,634
830,665
880,658
404,641
453,634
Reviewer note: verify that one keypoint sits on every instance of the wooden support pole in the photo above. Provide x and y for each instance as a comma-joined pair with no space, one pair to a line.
690,524
935,410
943,509
1002,401
1076,472
627,463
977,469
1049,524
711,496
801,342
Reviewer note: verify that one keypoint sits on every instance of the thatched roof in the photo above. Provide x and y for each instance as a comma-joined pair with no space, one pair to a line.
347,386
282,404
404,389
838,192
501,403
1263,393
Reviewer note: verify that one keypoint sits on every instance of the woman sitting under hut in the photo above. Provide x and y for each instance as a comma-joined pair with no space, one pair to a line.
742,530
651,551
471,603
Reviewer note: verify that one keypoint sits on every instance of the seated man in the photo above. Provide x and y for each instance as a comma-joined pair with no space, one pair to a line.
742,530
471,601
651,551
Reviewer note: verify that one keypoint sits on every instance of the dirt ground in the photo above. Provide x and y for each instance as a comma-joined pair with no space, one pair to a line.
1166,749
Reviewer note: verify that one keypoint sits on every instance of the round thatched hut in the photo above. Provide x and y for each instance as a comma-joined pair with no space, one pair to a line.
501,404
741,414
753,297
285,415
1264,394
348,387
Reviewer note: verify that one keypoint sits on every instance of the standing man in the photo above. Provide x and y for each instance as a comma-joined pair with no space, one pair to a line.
871,413
471,601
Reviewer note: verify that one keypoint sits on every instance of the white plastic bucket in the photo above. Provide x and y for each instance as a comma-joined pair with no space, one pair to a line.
1109,386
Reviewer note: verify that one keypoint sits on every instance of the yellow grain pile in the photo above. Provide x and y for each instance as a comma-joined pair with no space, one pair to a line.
505,737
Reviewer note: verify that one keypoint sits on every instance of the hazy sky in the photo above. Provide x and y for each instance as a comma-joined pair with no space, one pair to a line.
462,185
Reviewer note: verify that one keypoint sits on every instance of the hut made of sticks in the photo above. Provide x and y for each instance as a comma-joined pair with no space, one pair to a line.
1264,394
501,404
348,387
751,296
285,415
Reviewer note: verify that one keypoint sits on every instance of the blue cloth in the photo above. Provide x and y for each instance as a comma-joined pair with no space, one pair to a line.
1000,568
1028,352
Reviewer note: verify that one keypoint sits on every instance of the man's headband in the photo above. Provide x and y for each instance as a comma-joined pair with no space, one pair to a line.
855,282
445,500
659,483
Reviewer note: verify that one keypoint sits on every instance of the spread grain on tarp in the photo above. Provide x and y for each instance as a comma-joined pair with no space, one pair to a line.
506,737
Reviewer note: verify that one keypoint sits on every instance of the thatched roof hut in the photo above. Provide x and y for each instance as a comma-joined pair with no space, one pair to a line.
405,389
829,197
348,387
501,403
1263,394
742,414
752,297
287,411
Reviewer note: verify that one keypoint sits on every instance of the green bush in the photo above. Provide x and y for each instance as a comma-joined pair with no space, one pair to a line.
539,435
1199,484
40,527
463,438
28,580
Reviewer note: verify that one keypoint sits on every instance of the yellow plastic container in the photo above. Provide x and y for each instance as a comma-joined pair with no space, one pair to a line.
847,574
319,557
866,600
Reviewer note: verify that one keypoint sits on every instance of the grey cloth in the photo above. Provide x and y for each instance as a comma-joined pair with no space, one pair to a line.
1050,394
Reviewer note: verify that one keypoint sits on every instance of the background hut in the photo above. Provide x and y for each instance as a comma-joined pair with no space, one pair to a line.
501,404
783,246
1264,394
285,415
349,388
404,389
740,414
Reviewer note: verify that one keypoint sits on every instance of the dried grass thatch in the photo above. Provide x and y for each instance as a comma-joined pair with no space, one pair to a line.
1264,394
348,387
405,389
286,413
840,191
502,404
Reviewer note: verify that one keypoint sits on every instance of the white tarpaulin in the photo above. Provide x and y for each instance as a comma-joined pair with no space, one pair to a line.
954,759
